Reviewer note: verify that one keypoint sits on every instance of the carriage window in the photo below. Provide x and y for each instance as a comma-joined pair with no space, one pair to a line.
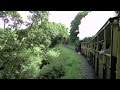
99,47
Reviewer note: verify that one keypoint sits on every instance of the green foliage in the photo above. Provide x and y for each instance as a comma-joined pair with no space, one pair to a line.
74,31
70,69
39,16
71,63
13,16
22,52
17,20
56,31
52,71
31,59
4,16
87,39
21,64
55,69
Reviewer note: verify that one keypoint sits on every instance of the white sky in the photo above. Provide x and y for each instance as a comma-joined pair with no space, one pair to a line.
89,25
64,17
93,22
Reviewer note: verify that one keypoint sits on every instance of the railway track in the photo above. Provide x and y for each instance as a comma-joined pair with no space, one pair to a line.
88,72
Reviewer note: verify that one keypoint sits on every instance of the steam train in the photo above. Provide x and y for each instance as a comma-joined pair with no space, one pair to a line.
103,51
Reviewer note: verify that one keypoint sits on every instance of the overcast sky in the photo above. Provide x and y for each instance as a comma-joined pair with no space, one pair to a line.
64,17
89,25
93,22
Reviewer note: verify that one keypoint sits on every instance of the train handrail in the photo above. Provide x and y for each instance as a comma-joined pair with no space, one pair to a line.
107,22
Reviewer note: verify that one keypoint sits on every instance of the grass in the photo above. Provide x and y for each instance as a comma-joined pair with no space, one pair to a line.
71,63
72,46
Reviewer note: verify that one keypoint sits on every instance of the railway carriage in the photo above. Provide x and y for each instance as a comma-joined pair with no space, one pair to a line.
104,50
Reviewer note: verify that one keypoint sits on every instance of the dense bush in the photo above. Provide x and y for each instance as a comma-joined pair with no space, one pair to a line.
52,71
55,69
24,65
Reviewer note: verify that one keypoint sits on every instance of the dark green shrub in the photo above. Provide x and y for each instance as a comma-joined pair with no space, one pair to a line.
54,70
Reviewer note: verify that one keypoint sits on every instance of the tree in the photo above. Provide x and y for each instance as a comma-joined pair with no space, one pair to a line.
4,16
56,31
37,18
87,39
74,31
16,19
13,16
22,51
17,61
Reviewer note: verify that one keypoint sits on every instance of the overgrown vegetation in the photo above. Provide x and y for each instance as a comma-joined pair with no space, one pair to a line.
64,64
36,51
71,62
24,52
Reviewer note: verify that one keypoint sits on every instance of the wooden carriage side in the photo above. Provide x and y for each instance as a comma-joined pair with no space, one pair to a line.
104,50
